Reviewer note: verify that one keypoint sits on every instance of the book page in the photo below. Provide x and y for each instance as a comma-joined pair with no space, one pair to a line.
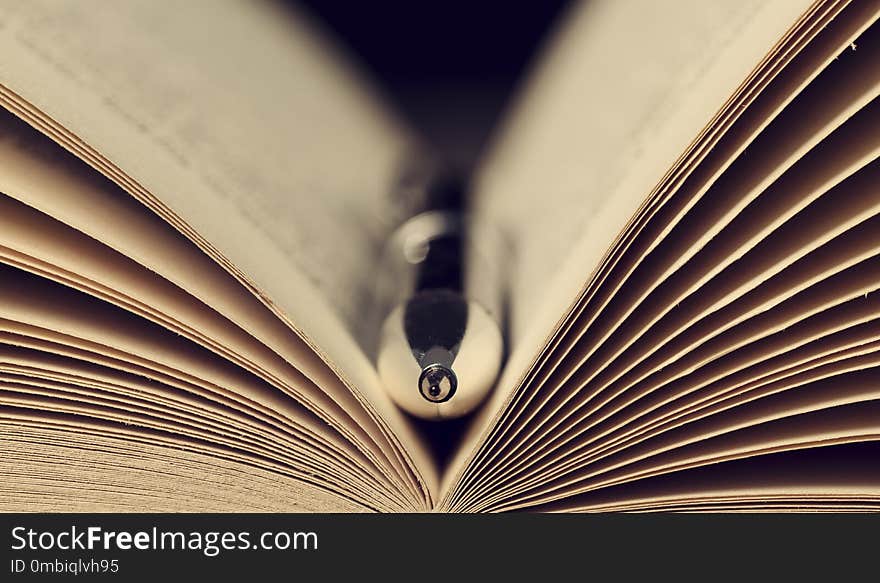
613,105
734,318
832,477
69,466
821,195
134,259
242,97
237,125
611,108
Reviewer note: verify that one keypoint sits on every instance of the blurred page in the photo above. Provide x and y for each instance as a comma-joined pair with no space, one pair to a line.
625,87
240,127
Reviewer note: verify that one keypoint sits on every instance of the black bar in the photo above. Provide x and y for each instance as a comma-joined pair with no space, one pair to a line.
417,547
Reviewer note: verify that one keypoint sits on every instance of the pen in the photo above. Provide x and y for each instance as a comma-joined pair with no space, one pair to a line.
440,350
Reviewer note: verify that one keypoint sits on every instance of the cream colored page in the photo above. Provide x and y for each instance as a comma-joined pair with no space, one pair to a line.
71,466
623,90
236,117
242,97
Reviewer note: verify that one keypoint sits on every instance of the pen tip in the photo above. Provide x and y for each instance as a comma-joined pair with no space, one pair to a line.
437,383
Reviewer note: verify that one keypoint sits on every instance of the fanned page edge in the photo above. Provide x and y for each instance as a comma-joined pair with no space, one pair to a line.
832,96
25,73
758,44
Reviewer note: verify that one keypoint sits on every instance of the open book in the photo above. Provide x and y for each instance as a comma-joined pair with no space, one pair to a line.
194,198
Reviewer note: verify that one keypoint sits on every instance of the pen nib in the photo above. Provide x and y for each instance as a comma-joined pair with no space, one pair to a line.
437,383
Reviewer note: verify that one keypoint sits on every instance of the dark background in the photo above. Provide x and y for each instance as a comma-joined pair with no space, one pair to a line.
449,67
